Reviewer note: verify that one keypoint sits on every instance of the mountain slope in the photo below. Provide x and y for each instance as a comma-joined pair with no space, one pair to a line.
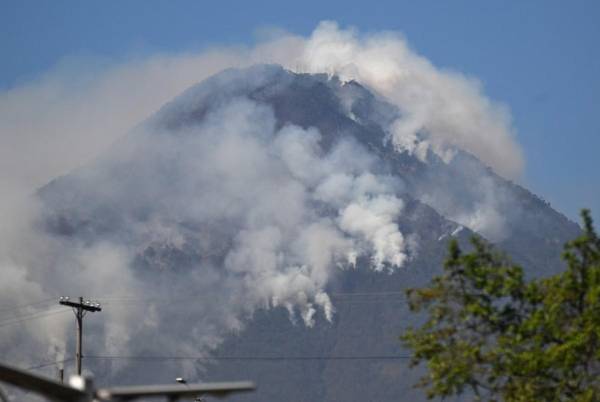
184,211
348,109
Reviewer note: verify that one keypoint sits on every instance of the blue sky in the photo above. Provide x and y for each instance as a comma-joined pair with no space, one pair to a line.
540,58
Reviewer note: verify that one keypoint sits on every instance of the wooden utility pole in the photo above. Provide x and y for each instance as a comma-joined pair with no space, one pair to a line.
80,308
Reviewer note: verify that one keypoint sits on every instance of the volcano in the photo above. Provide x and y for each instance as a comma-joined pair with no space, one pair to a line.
268,224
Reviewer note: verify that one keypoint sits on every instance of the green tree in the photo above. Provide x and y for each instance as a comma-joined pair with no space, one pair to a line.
492,334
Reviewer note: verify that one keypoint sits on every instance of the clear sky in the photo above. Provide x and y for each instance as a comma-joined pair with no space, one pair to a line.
541,58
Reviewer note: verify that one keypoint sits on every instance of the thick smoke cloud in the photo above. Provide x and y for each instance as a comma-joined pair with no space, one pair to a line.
440,109
69,115
269,214
273,218
442,112
82,108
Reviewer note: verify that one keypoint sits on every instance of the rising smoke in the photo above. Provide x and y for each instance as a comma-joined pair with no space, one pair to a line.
445,107
255,215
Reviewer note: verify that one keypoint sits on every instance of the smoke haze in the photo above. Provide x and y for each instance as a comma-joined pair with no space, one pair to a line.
83,108
254,214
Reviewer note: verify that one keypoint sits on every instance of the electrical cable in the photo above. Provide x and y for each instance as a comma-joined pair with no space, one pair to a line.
34,316
42,365
251,358
335,296
24,306
338,297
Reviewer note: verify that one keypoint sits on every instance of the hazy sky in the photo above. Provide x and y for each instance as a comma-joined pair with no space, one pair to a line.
540,58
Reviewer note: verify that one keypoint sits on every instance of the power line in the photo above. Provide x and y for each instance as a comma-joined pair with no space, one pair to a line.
353,294
335,296
191,297
24,306
335,302
141,300
252,358
34,316
42,365
347,298
130,300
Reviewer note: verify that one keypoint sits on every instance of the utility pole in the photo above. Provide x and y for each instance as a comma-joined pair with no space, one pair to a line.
80,308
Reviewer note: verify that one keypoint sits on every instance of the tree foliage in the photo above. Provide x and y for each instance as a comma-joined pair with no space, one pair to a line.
492,334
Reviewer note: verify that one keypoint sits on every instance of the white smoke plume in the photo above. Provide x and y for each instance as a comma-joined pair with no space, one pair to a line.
277,214
445,107
274,217
441,112
82,108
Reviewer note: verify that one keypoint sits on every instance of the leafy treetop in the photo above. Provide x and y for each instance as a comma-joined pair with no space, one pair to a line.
493,335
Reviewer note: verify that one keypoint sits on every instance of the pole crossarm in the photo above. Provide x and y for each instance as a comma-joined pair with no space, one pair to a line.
85,305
